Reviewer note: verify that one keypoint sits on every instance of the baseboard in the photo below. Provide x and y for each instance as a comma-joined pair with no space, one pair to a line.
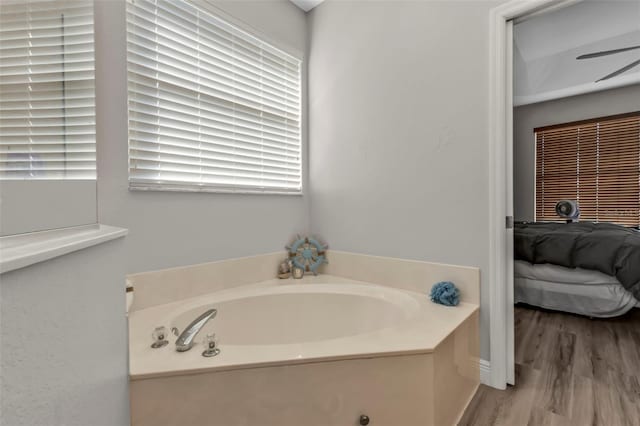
485,372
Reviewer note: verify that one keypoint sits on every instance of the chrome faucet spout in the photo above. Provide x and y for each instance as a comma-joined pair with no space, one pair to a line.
186,339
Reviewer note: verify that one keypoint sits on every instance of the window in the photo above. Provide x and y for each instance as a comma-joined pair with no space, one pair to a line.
47,105
211,107
47,115
596,162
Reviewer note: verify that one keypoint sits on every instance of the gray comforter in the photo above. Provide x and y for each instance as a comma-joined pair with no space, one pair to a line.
605,247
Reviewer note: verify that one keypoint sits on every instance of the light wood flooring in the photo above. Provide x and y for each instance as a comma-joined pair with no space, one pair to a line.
570,371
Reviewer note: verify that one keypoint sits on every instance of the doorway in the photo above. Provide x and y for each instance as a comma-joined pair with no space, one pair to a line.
502,367
596,112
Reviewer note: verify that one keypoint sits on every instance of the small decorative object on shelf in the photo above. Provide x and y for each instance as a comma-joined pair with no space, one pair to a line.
284,269
307,254
298,272
445,293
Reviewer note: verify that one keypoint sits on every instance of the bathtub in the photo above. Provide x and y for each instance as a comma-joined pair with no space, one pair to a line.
322,337
288,316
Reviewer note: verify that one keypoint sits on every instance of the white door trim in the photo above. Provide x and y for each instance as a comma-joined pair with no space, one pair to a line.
500,182
510,323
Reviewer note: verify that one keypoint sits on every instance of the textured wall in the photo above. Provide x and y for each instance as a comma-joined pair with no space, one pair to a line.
168,228
64,341
64,335
399,130
528,117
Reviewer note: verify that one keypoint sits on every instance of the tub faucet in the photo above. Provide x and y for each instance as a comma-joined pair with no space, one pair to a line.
186,339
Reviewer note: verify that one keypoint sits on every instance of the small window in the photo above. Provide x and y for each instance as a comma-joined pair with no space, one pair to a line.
211,107
47,115
597,163
47,104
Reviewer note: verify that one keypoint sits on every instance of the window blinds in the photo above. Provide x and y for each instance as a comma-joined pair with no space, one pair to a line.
596,162
47,96
211,107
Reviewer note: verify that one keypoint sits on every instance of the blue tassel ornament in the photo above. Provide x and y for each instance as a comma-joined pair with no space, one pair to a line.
445,293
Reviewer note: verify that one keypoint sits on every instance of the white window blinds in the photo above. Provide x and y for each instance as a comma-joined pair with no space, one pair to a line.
211,107
47,96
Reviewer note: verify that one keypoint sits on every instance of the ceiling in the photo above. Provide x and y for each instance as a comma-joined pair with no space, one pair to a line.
546,47
306,5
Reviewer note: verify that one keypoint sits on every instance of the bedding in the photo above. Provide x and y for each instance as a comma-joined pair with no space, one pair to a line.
579,291
611,249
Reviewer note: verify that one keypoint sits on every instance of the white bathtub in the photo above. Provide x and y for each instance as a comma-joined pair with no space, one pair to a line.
321,351
296,314
271,323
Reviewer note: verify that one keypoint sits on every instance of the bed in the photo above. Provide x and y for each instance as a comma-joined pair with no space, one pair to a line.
583,268
579,291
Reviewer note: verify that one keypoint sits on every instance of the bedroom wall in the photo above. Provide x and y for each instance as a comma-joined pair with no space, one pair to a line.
528,117
399,130
169,229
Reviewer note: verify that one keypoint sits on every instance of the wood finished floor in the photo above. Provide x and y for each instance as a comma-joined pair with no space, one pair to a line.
570,371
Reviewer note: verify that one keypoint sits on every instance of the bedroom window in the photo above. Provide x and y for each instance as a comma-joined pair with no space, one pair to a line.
211,107
596,162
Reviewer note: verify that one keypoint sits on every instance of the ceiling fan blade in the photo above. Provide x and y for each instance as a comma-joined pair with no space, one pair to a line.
621,70
607,52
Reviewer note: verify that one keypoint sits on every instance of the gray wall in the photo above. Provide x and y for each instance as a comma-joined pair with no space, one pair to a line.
528,117
64,341
168,228
64,334
399,128
39,205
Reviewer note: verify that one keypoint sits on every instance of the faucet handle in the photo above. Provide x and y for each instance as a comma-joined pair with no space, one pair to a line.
159,336
211,346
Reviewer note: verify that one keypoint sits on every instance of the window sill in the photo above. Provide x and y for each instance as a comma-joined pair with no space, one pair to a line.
19,251
208,189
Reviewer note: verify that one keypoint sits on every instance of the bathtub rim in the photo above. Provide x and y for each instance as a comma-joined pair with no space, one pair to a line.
193,362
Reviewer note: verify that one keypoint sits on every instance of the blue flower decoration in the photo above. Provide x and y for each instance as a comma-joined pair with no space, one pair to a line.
445,293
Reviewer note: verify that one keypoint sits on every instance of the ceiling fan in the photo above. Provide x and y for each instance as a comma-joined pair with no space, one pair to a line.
613,52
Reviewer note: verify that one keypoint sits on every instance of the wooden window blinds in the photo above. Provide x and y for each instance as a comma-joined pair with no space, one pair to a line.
596,162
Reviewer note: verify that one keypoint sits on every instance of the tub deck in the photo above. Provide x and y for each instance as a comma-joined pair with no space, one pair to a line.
420,370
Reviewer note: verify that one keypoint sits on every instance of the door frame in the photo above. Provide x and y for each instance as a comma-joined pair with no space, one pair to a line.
500,181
